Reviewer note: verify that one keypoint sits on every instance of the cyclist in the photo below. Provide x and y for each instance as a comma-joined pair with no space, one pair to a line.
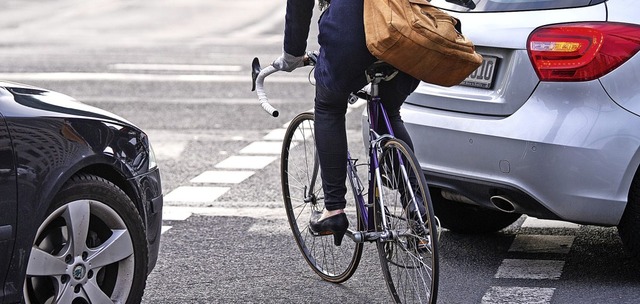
340,70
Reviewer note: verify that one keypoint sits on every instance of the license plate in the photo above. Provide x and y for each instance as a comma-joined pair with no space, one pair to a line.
483,76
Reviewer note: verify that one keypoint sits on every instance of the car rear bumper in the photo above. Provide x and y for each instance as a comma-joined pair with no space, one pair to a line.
568,153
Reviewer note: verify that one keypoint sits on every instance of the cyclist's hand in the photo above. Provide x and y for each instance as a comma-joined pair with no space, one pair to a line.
287,62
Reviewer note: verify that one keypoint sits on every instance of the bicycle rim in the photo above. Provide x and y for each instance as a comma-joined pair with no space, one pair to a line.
303,195
410,259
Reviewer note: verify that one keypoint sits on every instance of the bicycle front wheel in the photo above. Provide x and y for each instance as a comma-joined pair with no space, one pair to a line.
409,256
303,195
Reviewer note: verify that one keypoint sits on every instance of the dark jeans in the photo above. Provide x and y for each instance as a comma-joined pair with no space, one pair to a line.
340,70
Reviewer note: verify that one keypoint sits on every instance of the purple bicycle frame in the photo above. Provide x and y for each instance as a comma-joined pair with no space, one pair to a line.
375,110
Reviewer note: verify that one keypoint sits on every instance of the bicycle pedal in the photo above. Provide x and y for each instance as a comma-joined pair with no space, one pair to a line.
423,245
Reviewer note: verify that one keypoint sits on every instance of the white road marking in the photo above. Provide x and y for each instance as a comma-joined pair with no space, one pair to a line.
262,147
542,243
89,76
222,177
518,295
180,213
174,213
276,134
530,269
164,229
532,222
246,162
168,149
176,67
186,195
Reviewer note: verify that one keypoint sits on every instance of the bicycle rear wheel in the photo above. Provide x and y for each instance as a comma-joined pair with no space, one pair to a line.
409,259
303,195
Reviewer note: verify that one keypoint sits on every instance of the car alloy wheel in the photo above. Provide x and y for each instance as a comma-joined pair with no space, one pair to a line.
91,247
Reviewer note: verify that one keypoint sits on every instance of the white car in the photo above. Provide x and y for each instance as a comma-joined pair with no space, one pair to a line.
548,126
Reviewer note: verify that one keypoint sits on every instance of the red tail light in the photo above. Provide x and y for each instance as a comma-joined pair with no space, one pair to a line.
581,51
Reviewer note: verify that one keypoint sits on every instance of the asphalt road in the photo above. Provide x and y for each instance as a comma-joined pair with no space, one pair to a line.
180,71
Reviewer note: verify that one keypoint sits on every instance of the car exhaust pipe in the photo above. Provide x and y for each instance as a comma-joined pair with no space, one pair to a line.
503,203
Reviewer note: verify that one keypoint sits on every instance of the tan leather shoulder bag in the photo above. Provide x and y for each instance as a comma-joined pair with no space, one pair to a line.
420,40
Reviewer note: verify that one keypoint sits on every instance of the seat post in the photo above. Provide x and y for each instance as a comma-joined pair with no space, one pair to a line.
377,72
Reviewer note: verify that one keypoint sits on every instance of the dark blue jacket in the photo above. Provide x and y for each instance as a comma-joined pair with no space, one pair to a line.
296,30
343,54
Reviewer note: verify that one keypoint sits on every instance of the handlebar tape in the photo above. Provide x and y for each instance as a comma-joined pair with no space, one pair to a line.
262,96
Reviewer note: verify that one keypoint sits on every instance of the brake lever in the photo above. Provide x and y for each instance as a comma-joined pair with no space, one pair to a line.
311,58
255,70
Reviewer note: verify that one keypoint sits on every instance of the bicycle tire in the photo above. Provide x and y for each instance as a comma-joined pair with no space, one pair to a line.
303,195
409,265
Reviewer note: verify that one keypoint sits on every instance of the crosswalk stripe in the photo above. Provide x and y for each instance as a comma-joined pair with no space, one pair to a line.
194,196
276,134
542,243
262,147
181,213
222,177
165,150
246,162
174,213
164,229
532,222
530,269
518,295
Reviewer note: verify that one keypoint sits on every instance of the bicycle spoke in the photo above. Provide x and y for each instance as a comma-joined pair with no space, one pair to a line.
409,258
302,194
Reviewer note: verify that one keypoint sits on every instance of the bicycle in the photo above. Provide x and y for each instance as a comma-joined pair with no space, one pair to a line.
406,242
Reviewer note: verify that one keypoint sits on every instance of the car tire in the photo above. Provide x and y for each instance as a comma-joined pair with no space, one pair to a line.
90,248
629,226
469,219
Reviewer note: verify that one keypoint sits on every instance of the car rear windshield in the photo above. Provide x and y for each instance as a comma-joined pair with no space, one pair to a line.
515,5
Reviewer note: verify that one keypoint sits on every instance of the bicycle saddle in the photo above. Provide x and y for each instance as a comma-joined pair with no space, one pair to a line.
381,69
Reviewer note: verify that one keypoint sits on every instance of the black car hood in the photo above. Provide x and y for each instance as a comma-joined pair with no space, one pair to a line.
34,101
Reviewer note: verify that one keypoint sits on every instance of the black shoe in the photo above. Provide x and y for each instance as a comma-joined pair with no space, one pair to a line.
335,224
420,235
418,220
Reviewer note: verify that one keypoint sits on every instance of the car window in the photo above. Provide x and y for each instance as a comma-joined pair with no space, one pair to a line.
515,5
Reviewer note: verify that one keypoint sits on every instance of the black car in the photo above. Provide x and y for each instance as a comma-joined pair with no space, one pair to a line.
80,201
